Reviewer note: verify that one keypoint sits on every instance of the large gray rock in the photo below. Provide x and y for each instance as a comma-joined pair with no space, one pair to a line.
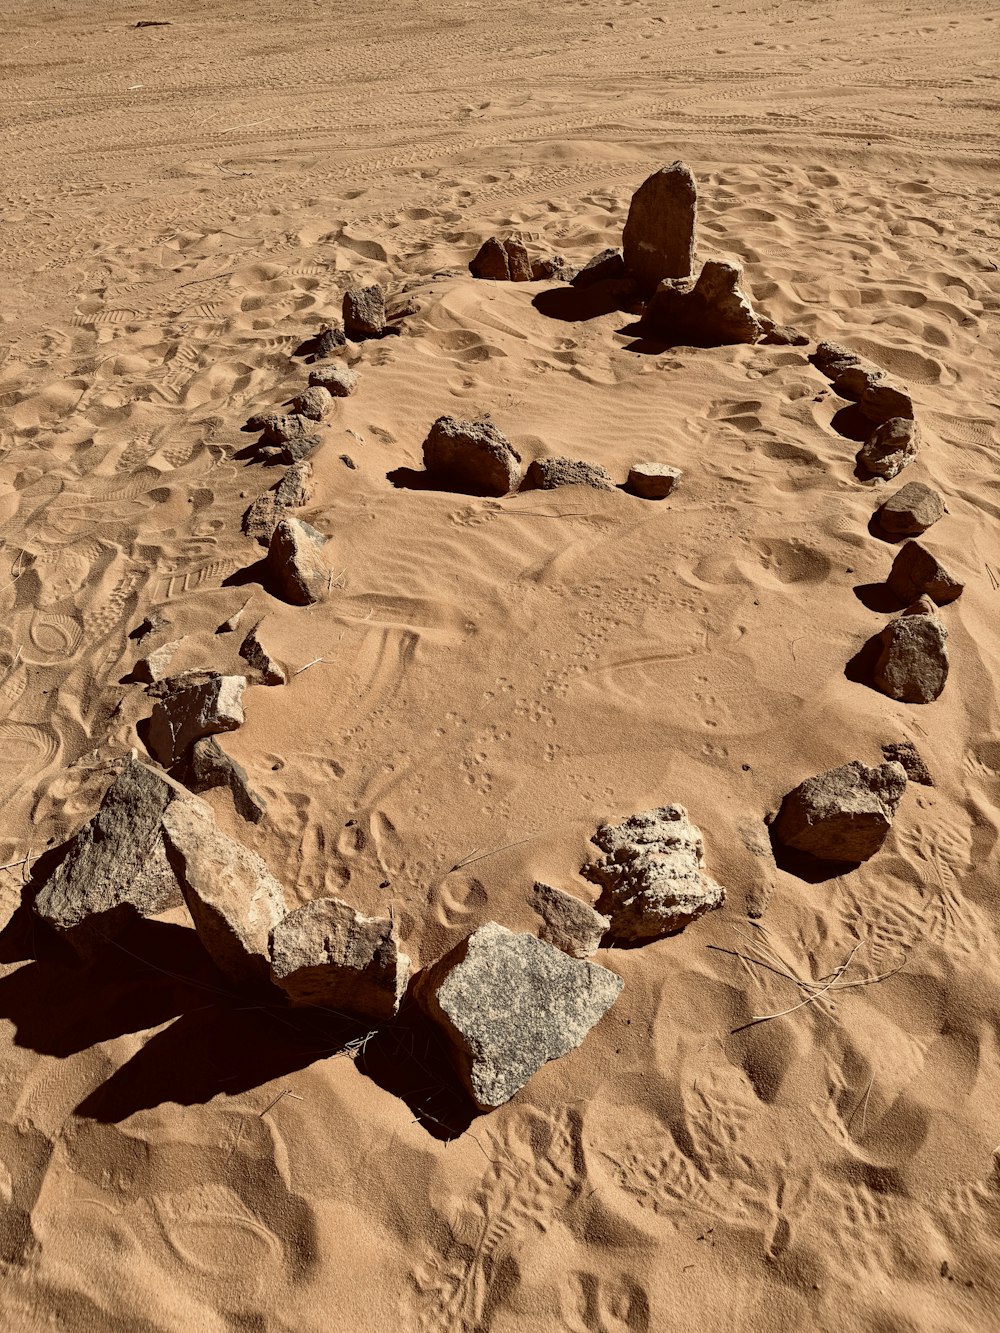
653,877
234,900
189,707
338,380
569,923
659,237
364,312
545,474
267,511
208,766
471,456
653,481
911,511
890,447
509,1003
712,312
913,664
843,814
917,571
295,562
115,869
327,954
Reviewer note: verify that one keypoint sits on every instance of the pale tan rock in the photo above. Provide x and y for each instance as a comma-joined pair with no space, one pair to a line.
569,923
190,707
653,481
295,562
843,814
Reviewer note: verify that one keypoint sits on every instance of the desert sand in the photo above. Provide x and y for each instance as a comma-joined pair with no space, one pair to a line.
489,680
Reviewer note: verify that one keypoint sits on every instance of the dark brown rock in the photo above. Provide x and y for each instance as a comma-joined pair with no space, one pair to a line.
471,456
569,923
491,262
916,571
843,814
364,312
890,447
882,400
906,753
659,237
712,312
911,511
913,664
608,266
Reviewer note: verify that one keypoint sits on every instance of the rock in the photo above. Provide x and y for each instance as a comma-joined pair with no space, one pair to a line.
906,753
608,266
234,900
713,312
155,665
208,766
472,456
329,340
256,655
653,481
338,380
781,335
653,877
192,706
509,1003
295,562
278,428
115,869
570,924
491,262
843,814
913,665
292,451
544,474
364,312
857,382
831,358
911,511
518,261
883,400
267,511
327,954
916,570
892,445
154,621
659,236
553,268
314,403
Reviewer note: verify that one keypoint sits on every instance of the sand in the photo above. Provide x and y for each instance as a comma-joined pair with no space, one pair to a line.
182,206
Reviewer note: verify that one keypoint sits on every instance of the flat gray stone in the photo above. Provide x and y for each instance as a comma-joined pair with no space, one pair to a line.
912,510
916,571
843,814
192,706
568,923
295,562
659,237
913,664
471,456
653,481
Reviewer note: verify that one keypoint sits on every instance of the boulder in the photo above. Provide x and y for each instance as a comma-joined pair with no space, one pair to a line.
490,262
653,876
911,511
781,335
843,814
314,403
882,400
906,753
329,340
155,665
518,260
712,312
267,511
364,312
608,266
208,766
916,571
856,382
569,923
115,870
653,481
327,954
508,1003
471,456
338,380
659,237
545,474
832,358
191,706
277,428
913,664
234,900
553,268
890,447
254,653
295,562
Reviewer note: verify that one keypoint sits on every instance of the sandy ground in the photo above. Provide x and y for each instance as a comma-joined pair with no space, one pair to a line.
181,206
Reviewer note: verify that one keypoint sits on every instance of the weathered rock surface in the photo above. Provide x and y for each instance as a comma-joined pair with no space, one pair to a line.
916,571
913,664
781,335
608,266
906,753
653,481
518,259
471,456
234,900
545,474
338,380
295,562
364,312
857,382
279,427
712,312
659,237
490,262
890,447
911,511
327,954
191,706
208,766
267,511
553,268
569,923
257,656
653,876
329,340
115,869
155,665
832,358
883,400
508,1003
843,814
314,403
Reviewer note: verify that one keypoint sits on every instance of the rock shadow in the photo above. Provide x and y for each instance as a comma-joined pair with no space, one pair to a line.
878,597
810,869
577,305
861,668
417,479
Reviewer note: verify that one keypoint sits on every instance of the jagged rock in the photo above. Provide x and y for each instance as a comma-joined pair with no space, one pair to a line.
882,400
155,665
471,456
890,447
234,900
115,869
781,335
329,340
544,474
570,924
208,766
608,266
659,236
256,655
364,312
653,481
292,451
191,706
843,814
491,262
278,428
509,1003
857,382
517,259
712,312
291,492
154,621
906,753
314,403
653,876
912,510
327,954
295,562
916,571
913,664
830,359
338,380
553,268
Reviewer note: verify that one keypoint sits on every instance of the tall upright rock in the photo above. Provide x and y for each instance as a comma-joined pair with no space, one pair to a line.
659,237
